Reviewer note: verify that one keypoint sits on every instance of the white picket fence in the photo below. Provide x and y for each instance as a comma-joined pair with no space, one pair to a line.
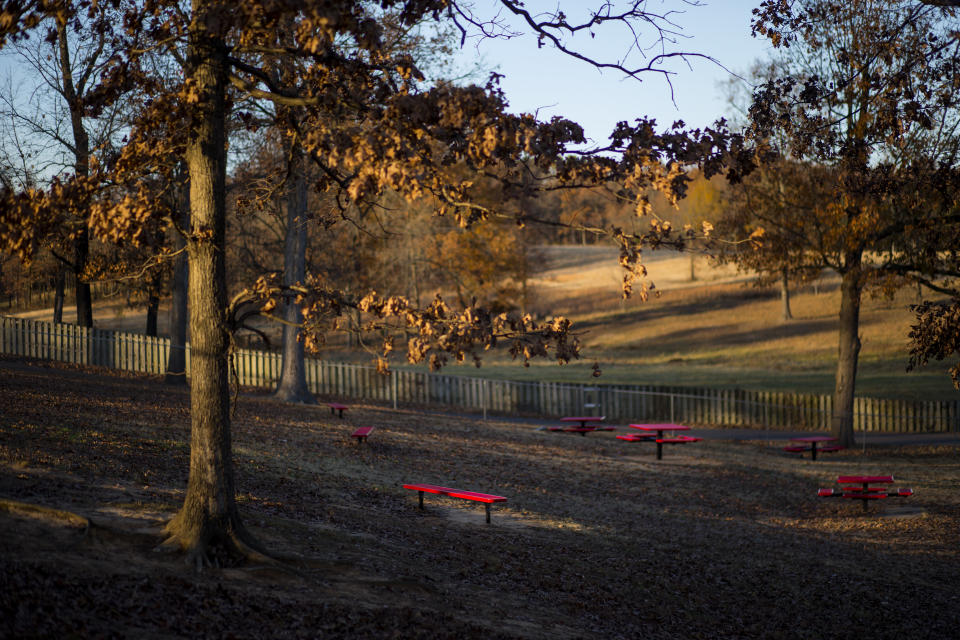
411,386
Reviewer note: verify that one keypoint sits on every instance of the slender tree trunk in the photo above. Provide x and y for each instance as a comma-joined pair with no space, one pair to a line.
177,357
693,271
58,296
153,307
208,519
785,295
293,376
81,150
848,353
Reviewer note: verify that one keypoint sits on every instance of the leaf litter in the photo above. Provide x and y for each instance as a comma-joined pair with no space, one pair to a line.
720,539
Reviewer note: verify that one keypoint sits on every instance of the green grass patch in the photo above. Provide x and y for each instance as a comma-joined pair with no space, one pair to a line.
877,378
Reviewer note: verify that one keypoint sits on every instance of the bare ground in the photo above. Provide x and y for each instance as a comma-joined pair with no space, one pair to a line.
721,539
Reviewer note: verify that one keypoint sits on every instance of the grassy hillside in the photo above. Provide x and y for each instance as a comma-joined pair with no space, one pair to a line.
716,331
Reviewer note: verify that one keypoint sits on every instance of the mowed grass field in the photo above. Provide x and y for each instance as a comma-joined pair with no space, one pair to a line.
598,539
717,331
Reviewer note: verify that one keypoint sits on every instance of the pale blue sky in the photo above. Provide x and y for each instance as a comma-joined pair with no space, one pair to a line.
543,81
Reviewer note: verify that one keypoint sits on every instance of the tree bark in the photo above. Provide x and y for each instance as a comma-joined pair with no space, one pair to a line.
208,522
785,295
153,306
58,295
81,151
293,377
851,289
177,356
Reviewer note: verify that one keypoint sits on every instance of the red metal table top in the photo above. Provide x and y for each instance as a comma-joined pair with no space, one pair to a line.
660,427
864,479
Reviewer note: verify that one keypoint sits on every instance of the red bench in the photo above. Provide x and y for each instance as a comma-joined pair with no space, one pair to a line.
865,492
486,498
336,406
361,434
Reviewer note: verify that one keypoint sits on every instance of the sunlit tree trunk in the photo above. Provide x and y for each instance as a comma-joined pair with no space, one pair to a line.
293,376
851,289
208,519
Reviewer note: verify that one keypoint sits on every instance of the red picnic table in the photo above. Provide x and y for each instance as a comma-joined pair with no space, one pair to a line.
865,492
583,420
659,438
584,428
812,441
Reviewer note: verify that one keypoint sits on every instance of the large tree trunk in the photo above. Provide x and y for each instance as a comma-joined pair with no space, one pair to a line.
177,356
208,523
785,295
293,376
848,353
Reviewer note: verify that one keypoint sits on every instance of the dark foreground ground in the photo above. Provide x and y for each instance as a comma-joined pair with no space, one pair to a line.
721,539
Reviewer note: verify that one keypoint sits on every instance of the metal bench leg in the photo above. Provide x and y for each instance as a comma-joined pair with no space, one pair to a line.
421,498
813,451
487,505
659,451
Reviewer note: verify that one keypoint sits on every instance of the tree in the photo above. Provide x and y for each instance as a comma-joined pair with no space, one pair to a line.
771,226
369,127
65,70
703,203
866,99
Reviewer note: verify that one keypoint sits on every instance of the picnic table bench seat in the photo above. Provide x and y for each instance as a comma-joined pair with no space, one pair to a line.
799,448
581,430
337,407
678,440
796,448
638,437
485,498
361,434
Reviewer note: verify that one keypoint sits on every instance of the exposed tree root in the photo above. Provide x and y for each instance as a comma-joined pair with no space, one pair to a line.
231,546
12,506
285,394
